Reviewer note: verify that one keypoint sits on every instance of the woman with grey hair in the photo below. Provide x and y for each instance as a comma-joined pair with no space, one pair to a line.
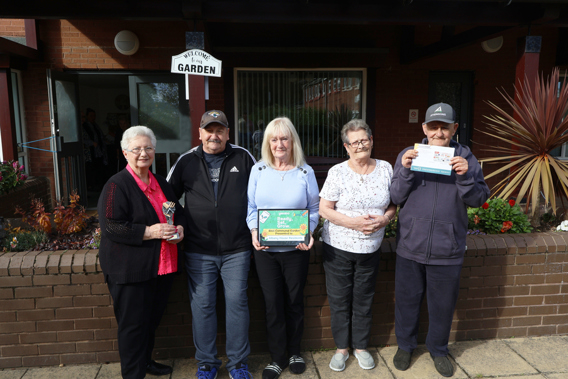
138,250
355,201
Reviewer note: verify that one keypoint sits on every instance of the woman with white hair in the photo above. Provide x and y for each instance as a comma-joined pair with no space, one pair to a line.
282,180
355,201
138,251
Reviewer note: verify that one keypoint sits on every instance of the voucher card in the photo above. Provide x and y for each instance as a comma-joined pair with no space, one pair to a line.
283,227
433,159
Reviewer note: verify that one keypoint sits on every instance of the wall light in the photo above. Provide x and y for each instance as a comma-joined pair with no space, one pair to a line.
126,42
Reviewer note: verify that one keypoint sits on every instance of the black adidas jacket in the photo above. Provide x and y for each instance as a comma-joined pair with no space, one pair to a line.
214,227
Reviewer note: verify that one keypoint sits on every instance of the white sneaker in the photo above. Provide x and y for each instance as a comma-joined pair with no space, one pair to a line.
366,361
338,362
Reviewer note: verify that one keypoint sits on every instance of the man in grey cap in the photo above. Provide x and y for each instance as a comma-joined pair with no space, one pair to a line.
214,178
431,233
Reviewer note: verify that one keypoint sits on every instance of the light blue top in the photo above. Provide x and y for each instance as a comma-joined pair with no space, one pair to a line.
272,189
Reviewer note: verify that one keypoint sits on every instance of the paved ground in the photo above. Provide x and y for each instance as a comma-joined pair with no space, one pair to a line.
527,358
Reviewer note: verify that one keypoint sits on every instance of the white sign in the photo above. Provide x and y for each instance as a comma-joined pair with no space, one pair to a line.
413,116
196,62
433,159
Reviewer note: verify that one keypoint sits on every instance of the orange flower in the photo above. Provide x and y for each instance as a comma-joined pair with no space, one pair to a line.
476,219
506,226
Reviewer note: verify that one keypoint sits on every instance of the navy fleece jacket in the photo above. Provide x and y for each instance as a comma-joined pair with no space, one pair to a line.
432,221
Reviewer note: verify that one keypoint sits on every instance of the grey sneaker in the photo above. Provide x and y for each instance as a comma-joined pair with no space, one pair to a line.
366,361
338,362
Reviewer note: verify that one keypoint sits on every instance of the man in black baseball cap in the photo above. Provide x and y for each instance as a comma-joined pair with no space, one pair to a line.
214,178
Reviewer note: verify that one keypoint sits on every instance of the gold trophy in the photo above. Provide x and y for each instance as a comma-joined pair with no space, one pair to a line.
169,207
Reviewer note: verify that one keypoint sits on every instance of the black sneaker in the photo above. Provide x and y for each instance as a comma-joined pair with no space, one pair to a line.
443,365
272,371
401,359
297,364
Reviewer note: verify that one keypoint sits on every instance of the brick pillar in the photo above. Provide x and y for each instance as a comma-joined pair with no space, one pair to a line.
196,85
528,49
7,124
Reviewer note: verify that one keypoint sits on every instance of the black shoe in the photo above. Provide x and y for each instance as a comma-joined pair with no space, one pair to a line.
401,359
443,365
272,371
297,364
155,368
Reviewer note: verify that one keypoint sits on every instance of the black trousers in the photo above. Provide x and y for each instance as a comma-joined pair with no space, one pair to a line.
138,308
441,285
350,280
283,277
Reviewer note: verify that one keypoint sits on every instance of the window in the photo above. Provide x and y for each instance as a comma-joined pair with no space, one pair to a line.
262,95
19,117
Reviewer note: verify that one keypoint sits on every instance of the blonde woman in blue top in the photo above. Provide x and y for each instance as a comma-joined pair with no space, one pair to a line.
282,179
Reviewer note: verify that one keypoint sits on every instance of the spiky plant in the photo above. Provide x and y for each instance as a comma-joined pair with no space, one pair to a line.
539,127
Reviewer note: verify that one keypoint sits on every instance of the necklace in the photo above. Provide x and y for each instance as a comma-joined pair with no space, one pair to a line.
361,175
284,174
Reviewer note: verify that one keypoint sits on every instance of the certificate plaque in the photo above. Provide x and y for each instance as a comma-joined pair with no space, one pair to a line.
283,227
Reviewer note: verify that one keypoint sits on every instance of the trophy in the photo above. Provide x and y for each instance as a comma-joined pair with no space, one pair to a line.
169,207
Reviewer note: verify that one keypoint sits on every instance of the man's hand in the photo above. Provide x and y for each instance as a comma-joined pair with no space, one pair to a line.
459,165
407,157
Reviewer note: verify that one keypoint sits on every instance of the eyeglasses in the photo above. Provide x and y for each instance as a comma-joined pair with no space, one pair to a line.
138,150
355,144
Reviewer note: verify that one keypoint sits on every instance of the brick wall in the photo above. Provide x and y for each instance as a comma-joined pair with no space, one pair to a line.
56,309
35,187
11,27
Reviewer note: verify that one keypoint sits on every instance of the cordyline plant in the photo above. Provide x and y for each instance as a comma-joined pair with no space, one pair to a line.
541,127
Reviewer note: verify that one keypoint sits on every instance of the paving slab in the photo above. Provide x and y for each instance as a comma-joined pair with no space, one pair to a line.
555,376
352,369
110,371
12,373
489,358
546,354
66,372
421,365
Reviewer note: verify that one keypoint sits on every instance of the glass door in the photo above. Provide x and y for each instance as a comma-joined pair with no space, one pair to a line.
158,102
67,145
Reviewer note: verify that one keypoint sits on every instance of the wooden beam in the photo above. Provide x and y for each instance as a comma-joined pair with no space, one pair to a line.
31,33
14,48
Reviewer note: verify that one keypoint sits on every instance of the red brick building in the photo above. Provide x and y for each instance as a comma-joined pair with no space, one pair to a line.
375,61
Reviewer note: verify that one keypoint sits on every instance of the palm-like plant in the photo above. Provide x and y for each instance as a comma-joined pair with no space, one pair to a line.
539,127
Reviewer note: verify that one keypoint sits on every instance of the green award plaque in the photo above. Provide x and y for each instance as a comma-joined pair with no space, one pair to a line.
283,227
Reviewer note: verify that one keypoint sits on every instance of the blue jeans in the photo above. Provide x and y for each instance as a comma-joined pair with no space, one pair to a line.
203,272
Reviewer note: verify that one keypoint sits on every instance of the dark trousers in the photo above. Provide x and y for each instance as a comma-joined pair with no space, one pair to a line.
138,308
283,277
441,286
350,280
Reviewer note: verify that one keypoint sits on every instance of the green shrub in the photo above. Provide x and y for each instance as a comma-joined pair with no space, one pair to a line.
24,240
498,216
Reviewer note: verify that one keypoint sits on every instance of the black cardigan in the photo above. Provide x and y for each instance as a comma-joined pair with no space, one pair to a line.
124,212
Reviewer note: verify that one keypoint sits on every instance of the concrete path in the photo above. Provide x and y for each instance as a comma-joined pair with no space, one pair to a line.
526,358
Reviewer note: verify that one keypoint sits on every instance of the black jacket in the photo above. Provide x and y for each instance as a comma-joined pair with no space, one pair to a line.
214,227
124,212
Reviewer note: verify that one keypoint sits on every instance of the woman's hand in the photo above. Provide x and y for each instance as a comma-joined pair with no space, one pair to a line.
364,224
255,243
161,231
303,246
378,222
179,230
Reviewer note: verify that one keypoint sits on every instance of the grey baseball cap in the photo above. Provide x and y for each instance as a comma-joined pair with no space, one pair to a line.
441,112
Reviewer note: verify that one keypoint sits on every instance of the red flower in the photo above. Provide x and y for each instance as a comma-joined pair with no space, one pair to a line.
476,219
506,226
485,206
511,202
